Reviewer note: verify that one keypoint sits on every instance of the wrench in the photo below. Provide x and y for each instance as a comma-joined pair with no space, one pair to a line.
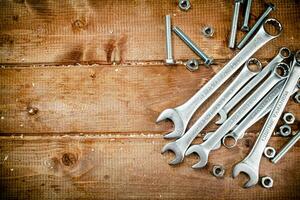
283,53
260,110
204,149
180,145
183,113
250,165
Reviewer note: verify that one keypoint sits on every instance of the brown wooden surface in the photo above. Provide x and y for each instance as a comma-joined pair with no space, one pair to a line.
92,131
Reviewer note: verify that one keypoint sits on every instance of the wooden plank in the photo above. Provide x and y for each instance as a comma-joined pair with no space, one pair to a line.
98,99
131,168
123,31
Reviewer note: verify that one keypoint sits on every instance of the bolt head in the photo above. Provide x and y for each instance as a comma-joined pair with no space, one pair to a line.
184,5
170,61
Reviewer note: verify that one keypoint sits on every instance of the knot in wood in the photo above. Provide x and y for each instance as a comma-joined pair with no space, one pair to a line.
69,159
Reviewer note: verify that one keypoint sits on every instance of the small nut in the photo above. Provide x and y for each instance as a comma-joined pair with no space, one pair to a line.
192,65
269,152
184,5
297,97
267,182
218,171
288,118
285,130
208,31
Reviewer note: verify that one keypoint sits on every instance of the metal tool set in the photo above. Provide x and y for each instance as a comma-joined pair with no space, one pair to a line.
254,93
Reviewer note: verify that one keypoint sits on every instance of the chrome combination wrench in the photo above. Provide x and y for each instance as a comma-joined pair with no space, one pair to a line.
283,53
258,112
183,113
179,146
279,73
261,109
250,165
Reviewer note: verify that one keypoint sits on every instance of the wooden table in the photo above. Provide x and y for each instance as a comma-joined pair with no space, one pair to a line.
82,83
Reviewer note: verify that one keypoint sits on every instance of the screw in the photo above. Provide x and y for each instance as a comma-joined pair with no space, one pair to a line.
192,45
245,26
234,23
169,59
270,8
286,148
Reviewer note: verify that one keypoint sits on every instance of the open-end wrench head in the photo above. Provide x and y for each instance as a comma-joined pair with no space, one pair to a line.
179,154
202,152
174,116
245,168
223,117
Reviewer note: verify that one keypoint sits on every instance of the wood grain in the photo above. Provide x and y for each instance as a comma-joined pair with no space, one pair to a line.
131,168
89,31
98,99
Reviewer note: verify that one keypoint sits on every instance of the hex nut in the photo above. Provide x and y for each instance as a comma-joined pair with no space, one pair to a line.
218,171
288,118
269,152
192,65
184,5
297,97
267,182
285,130
208,31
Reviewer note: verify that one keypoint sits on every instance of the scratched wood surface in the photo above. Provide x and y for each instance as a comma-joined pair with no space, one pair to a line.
35,31
82,83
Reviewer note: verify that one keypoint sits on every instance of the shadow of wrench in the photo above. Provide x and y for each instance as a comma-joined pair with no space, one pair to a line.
183,113
250,165
279,73
183,143
283,53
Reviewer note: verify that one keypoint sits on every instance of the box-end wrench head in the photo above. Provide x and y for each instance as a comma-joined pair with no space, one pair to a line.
250,165
283,53
204,149
180,145
184,112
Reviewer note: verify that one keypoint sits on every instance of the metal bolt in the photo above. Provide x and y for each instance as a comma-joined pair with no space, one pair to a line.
245,26
184,5
234,24
286,148
169,59
270,8
267,182
192,45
